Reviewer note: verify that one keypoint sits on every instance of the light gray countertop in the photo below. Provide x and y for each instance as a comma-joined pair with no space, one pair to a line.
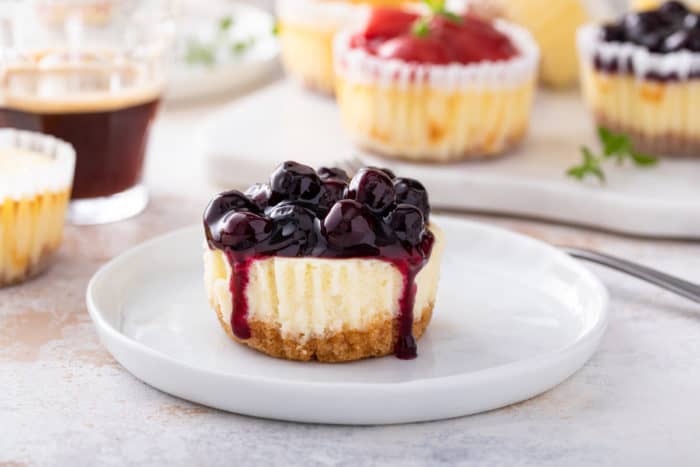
65,401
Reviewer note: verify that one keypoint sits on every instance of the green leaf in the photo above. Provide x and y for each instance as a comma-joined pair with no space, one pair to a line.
225,23
644,160
589,166
276,28
578,172
435,6
614,144
421,28
455,18
241,46
200,53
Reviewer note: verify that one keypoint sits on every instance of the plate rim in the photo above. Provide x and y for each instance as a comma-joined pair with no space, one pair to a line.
594,333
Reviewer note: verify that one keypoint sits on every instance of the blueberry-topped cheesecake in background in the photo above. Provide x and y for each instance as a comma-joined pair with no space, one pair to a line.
640,76
315,265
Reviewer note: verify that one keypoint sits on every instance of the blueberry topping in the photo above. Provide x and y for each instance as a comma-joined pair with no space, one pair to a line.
673,11
410,191
691,21
294,231
613,33
333,172
259,194
333,190
389,172
669,28
305,213
241,230
373,188
224,203
295,181
408,224
350,224
683,40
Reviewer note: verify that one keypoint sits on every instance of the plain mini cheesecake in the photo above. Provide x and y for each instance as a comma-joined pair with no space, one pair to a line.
314,265
36,175
641,77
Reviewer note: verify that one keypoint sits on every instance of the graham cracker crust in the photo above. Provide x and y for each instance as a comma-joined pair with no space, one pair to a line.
668,144
375,341
511,145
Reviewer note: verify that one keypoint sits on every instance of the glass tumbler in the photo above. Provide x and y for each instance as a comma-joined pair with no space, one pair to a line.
90,72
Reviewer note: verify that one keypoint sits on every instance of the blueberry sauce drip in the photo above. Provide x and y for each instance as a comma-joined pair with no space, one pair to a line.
324,214
670,28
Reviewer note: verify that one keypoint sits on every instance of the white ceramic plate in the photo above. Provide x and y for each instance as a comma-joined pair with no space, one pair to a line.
514,318
231,72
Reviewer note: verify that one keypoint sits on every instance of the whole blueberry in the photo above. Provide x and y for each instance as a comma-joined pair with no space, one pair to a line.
243,230
349,224
674,11
613,33
692,43
222,204
691,21
294,229
410,191
648,29
294,181
373,188
676,41
389,172
684,39
333,172
259,194
333,190
408,223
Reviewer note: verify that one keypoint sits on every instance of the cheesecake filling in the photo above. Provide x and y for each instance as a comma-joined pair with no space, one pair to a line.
318,297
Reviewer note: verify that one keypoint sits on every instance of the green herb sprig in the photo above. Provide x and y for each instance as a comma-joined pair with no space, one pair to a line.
204,53
421,28
617,147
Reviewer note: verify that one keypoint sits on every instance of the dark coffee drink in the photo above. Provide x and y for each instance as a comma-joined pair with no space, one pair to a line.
78,103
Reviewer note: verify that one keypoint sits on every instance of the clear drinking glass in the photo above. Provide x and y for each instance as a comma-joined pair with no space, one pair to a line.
90,72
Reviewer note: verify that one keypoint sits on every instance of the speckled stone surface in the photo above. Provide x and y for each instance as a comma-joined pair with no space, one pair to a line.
65,401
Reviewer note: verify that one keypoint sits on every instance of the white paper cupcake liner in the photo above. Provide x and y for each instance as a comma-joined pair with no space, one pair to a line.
357,65
632,59
55,176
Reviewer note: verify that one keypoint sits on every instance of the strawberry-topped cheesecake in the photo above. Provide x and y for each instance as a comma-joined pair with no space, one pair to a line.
315,265
435,86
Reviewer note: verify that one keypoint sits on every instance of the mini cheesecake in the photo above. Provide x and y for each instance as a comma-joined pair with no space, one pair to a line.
435,88
306,30
641,77
36,174
315,266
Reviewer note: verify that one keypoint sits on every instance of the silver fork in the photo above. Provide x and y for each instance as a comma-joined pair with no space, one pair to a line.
671,283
